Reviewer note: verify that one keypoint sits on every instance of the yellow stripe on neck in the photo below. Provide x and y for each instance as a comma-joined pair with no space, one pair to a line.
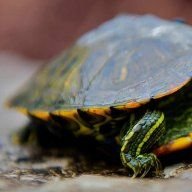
149,133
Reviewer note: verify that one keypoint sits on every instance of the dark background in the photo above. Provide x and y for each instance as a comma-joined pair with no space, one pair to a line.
40,29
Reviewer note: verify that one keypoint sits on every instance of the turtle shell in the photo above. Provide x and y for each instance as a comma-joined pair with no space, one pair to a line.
124,62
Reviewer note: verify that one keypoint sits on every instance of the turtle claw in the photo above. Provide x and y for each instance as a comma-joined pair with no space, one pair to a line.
146,171
136,171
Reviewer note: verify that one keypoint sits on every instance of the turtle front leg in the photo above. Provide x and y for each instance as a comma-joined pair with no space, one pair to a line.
138,140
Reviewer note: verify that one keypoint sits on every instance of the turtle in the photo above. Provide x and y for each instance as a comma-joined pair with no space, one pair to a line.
126,83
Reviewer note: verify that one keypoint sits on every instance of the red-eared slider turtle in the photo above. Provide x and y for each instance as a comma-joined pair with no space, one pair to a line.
128,82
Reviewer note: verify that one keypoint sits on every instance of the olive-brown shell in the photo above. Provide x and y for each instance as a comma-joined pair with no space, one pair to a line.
126,61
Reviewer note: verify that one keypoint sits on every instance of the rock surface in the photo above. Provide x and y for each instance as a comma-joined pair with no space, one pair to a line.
20,171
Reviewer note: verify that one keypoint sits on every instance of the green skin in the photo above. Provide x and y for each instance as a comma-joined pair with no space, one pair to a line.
142,129
172,120
139,138
155,127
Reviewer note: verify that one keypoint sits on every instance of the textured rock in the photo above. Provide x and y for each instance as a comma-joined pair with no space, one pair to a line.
92,183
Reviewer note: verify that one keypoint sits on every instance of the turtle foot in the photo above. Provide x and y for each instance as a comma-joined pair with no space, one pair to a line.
142,164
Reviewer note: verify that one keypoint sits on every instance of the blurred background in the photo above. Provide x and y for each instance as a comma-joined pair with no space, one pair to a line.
41,29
